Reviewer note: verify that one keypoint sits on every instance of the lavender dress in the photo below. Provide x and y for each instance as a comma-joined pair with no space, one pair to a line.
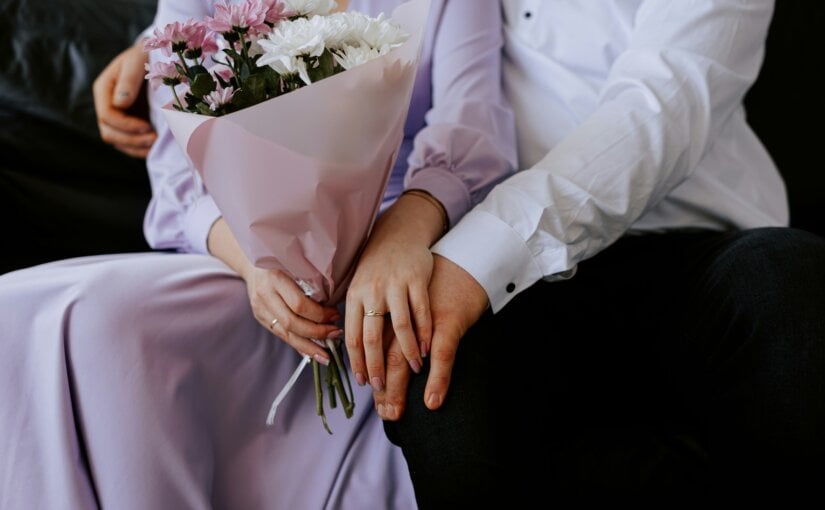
143,381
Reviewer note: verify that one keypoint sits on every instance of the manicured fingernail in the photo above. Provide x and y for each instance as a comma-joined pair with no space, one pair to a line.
425,349
377,384
360,379
433,400
123,93
389,411
320,359
338,333
381,410
416,366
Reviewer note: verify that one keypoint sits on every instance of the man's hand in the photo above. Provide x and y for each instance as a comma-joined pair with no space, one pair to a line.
457,301
115,90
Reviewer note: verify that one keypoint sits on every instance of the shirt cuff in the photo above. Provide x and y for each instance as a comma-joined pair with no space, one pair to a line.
493,253
446,187
199,220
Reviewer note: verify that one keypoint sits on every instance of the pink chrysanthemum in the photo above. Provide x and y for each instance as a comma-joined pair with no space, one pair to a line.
219,97
175,37
224,72
163,73
199,36
273,11
245,17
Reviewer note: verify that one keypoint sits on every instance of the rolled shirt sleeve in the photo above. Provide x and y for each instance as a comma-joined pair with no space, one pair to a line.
667,97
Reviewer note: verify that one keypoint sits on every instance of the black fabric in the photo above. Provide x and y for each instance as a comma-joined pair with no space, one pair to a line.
63,192
672,368
787,96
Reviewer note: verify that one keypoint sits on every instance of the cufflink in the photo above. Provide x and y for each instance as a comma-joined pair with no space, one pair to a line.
510,287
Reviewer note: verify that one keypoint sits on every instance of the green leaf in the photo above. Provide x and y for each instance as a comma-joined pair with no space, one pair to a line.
202,85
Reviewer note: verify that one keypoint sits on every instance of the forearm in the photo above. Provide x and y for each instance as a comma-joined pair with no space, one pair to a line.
415,219
222,244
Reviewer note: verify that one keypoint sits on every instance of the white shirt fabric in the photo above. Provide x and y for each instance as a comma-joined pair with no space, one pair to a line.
629,116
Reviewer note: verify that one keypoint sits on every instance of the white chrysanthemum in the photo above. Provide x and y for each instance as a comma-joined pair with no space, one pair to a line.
288,66
310,7
302,37
353,56
380,32
340,29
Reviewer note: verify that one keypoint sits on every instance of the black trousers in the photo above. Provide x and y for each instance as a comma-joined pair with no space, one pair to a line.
683,366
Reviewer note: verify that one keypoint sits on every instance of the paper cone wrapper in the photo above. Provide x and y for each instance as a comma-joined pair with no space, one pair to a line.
299,178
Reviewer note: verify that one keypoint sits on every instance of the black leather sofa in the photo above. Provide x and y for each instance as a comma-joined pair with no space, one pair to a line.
64,193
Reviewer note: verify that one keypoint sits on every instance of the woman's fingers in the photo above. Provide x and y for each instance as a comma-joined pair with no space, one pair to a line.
373,338
403,327
302,305
117,137
268,314
293,322
353,328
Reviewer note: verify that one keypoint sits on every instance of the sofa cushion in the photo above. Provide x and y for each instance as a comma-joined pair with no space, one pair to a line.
63,192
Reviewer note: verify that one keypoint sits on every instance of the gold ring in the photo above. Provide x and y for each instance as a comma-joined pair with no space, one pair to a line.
272,324
373,313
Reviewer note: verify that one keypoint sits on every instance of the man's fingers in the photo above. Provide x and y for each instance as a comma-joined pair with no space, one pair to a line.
392,402
403,327
135,152
129,81
116,136
420,307
442,358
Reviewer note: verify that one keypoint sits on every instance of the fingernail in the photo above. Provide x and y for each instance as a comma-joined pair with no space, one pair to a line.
360,379
338,333
320,359
425,349
123,93
416,366
381,410
377,384
433,400
389,411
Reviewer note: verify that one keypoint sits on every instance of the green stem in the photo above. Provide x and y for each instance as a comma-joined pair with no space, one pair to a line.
319,394
183,63
177,99
348,402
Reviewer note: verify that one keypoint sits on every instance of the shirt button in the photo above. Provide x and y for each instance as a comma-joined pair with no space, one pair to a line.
528,14
511,287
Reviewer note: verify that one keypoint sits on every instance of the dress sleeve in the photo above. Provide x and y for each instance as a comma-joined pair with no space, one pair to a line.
181,211
468,145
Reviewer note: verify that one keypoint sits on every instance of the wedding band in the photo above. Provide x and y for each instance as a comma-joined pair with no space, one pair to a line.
373,313
272,324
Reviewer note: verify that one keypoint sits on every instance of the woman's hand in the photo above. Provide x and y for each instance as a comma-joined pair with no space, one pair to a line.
277,302
389,289
115,90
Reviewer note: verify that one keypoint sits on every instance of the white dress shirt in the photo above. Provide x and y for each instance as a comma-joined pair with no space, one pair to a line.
629,116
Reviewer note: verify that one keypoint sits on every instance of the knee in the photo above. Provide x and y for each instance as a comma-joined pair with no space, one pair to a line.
770,270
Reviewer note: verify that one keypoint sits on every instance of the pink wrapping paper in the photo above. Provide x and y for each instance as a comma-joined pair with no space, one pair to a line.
299,178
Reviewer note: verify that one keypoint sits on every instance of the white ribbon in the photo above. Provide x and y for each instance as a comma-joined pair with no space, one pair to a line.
270,419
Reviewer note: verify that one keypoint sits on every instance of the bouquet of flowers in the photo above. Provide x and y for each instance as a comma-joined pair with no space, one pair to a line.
293,116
